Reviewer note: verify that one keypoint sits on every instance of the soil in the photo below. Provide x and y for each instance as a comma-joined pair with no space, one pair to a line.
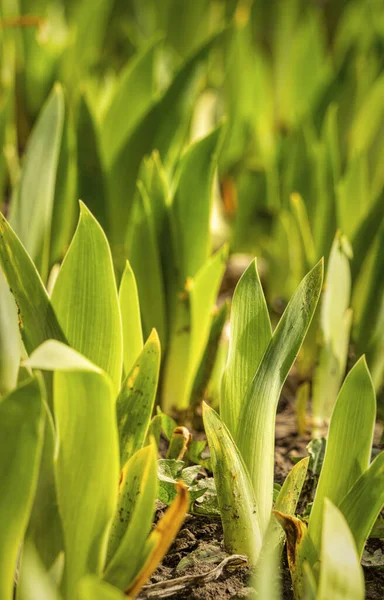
199,547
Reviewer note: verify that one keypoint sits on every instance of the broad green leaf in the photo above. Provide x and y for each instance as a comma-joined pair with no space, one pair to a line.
310,588
366,234
335,322
300,213
368,118
353,196
192,204
341,576
255,429
238,507
300,550
368,325
203,294
37,185
289,494
45,528
86,474
190,331
364,501
91,183
144,257
37,320
130,318
155,130
22,417
34,582
52,355
88,33
134,406
85,298
249,337
211,355
133,518
349,443
133,95
10,343
266,577
286,504
65,205
92,588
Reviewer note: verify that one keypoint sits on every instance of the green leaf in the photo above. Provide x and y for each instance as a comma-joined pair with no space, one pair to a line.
133,518
91,184
130,318
208,363
286,504
168,471
190,331
155,130
192,204
239,511
37,185
335,322
65,203
299,211
368,324
91,588
10,343
203,294
349,443
341,576
37,320
364,501
34,581
143,254
250,334
133,95
353,195
22,417
86,475
87,36
290,491
255,430
85,298
136,399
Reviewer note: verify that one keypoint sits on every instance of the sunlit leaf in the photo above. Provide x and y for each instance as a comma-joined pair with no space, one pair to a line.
130,318
255,429
37,185
136,399
192,204
349,443
132,522
341,576
249,337
22,416
85,298
239,510
37,320
86,475
364,501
